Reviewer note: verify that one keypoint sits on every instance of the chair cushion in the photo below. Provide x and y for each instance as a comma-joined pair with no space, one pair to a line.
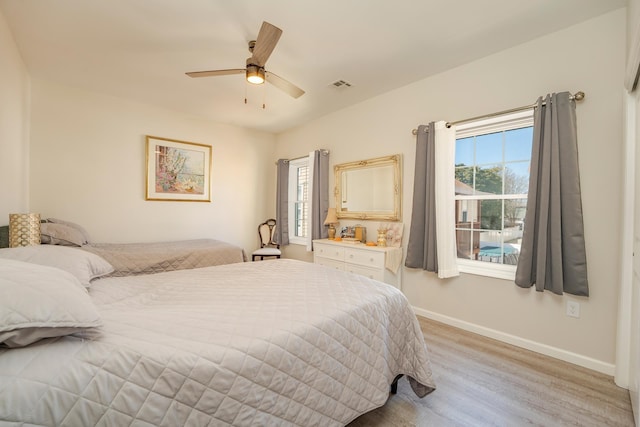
267,252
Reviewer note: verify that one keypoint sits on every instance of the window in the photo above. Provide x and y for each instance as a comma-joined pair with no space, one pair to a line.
492,164
298,200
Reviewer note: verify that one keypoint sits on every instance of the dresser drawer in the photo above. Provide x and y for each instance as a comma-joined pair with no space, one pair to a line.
371,273
328,251
363,257
332,263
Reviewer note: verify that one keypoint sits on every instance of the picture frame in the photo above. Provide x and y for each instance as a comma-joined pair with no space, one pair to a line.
177,170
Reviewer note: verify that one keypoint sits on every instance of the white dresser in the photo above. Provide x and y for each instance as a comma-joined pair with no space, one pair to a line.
358,258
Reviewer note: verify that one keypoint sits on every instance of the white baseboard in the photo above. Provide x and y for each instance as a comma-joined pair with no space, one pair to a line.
547,350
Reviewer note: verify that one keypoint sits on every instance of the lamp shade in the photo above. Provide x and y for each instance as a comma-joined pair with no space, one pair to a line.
255,74
24,229
331,217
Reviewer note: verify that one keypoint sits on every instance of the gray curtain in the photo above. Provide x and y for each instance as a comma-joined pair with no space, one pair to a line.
553,253
421,249
319,194
281,234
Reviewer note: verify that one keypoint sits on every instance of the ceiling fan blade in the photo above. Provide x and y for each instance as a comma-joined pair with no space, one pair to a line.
284,85
216,72
265,43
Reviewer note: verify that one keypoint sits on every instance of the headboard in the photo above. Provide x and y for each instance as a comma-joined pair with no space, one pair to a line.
4,236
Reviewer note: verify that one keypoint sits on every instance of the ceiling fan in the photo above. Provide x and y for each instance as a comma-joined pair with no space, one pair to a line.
255,73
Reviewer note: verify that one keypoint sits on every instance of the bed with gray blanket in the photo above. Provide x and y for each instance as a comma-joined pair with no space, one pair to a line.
130,259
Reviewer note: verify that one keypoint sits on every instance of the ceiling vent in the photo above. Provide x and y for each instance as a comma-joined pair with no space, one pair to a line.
340,83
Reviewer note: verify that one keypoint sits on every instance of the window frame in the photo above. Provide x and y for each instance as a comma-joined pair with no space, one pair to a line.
501,123
294,165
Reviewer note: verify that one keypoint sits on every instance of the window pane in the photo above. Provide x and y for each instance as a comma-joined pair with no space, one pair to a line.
464,151
468,243
464,181
490,214
467,213
302,193
467,228
516,178
501,253
489,179
517,144
489,148
300,219
302,182
514,212
497,254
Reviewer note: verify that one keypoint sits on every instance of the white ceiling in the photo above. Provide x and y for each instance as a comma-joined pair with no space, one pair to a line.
140,49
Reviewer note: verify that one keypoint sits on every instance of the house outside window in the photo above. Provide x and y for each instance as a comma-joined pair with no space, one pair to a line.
299,200
492,166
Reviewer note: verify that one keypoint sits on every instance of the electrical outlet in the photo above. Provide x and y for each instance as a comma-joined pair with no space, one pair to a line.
573,309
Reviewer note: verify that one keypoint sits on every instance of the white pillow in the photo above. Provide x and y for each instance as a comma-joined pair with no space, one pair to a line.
39,302
86,266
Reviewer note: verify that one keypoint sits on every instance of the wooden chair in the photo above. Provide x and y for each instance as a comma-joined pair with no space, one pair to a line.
268,248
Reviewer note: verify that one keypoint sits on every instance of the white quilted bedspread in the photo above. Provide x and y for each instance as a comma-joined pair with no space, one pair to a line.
277,342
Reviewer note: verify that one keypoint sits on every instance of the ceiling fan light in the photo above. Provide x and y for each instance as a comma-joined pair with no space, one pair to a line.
255,74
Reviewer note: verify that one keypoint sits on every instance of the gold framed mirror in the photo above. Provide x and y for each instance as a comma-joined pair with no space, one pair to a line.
369,189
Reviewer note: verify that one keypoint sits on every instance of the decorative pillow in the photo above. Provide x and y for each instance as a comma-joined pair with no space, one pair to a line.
39,302
85,236
60,234
85,266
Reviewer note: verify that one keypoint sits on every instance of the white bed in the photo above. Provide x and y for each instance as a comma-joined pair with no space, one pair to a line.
277,342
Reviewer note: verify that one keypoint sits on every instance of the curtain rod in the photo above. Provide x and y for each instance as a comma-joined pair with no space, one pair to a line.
579,96
323,151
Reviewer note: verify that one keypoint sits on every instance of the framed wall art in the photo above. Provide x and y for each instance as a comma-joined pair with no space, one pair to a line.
178,170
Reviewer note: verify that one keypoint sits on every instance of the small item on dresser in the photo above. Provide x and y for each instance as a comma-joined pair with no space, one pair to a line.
350,240
394,233
347,232
370,243
360,233
382,237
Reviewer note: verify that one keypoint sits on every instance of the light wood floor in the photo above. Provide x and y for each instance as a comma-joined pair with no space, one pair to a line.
484,382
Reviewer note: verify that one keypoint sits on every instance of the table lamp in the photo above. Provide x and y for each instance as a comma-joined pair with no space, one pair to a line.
331,220
24,229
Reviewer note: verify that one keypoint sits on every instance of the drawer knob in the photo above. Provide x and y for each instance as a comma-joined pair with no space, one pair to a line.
351,256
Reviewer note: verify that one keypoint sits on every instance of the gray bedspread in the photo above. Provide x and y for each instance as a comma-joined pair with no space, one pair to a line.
132,259
279,342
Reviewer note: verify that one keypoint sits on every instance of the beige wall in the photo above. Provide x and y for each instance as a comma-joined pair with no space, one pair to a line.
14,127
629,315
88,166
633,19
587,57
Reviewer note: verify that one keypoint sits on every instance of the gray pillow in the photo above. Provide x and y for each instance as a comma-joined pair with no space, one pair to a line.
85,266
42,302
60,234
85,235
